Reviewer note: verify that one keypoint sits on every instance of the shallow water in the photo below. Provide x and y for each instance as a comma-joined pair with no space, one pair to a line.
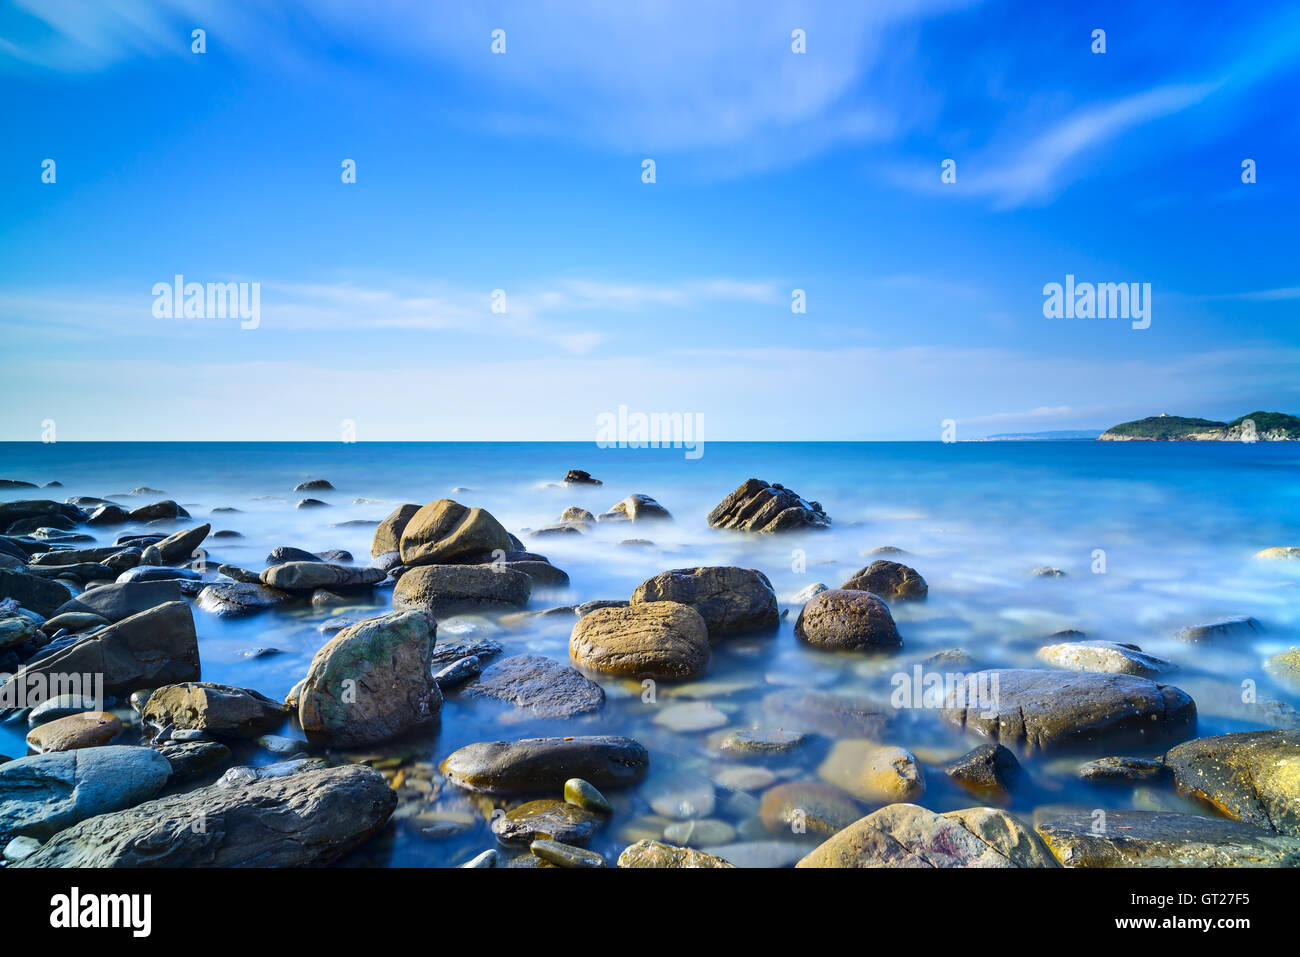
1177,523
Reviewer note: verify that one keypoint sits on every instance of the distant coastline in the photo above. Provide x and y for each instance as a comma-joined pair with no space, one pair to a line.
1252,427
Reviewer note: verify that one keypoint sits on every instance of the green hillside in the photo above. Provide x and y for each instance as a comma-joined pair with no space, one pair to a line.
1269,426
1164,427
1271,421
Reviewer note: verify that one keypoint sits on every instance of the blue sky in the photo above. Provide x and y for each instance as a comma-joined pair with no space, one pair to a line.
522,172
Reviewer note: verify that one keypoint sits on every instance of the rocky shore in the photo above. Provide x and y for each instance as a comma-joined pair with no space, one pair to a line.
639,748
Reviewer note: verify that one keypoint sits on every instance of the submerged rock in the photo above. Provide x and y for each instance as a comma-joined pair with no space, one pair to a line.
827,712
842,620
305,819
988,771
660,640
1221,630
446,531
658,854
533,765
236,599
1105,657
1250,776
729,599
761,741
757,506
548,818
1121,770
539,686
308,576
807,807
637,507
890,580
877,773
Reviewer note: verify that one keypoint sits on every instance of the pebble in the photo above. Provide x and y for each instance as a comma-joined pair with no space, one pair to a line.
565,855
582,794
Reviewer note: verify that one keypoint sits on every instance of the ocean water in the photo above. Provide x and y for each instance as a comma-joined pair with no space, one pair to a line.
1152,537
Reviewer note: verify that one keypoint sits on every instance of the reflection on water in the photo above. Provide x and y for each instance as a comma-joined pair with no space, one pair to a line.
1173,526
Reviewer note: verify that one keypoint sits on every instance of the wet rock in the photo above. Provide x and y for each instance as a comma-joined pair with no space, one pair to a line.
760,854
575,514
176,548
1250,776
681,795
166,510
45,793
691,716
41,596
441,589
542,573
1081,838
108,514
305,819
579,477
457,673
17,630
480,648
534,765
116,602
637,507
388,533
842,620
905,835
445,531
89,729
308,576
1280,553
372,682
153,648
757,506
1047,571
729,599
221,710
657,854
1284,666
586,795
890,580
156,573
556,531
64,705
541,687
1121,770
283,554
806,595
1105,657
189,759
314,485
988,771
545,819
21,848
565,855
700,833
876,773
312,503
11,512
1060,710
237,599
827,712
762,741
660,640
1224,629
807,807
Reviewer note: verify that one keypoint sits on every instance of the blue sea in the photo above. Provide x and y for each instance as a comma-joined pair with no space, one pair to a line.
1151,537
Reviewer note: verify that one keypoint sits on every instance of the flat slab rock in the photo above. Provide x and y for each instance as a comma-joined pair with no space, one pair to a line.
308,576
1061,710
539,686
546,819
1251,776
539,765
304,819
1080,838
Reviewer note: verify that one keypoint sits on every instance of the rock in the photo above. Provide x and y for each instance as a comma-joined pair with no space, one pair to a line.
1119,770
700,833
45,793
988,771
308,576
545,819
691,716
876,773
17,630
1081,838
660,640
1106,657
305,819
41,596
19,483
312,503
241,575
282,554
166,510
680,795
637,508
90,729
149,649
1221,630
805,595
760,854
905,835
21,848
388,533
11,512
192,758
176,548
1280,553
586,796
65,705
487,859
457,673
1284,666
116,602
565,855
372,682
221,710
729,599
1250,776
1059,710
890,580
533,765
575,514
842,620
757,506
804,807
236,599
314,485
442,589
762,741
156,573
542,573
540,686
658,854
579,477
1047,571
826,712
555,531
445,531
108,514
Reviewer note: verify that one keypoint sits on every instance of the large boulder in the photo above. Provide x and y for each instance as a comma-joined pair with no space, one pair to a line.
1085,838
308,576
637,507
153,648
1251,776
221,710
372,682
45,793
729,599
656,639
445,531
440,589
539,687
236,599
176,548
11,512
905,835
166,510
842,620
388,533
759,507
298,820
890,580
541,765
37,594
1060,710
118,601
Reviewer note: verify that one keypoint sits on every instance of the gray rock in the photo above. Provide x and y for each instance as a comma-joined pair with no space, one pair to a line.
1121,770
1221,630
41,596
116,602
988,771
176,548
308,576
192,758
157,573
534,765
539,686
729,599
757,506
236,599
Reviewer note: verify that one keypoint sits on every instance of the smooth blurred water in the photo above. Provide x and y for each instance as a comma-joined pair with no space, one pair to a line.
1177,522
